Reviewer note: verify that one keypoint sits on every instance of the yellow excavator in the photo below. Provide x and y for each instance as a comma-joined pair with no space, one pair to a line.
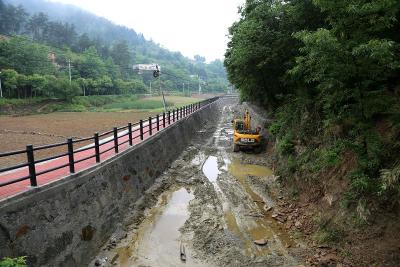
245,137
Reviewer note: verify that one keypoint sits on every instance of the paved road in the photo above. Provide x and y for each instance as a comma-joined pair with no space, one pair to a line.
13,189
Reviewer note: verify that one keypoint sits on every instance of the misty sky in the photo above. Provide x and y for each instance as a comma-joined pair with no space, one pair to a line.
188,26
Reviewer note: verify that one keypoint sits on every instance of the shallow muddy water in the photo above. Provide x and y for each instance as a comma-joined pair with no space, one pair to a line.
210,168
158,240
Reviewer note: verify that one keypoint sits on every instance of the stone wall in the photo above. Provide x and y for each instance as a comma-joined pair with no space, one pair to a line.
64,223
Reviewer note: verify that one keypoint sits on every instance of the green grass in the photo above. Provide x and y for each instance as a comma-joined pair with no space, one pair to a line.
143,104
16,101
101,103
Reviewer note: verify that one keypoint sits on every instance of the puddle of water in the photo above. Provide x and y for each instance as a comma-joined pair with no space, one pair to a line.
265,226
241,171
158,239
210,169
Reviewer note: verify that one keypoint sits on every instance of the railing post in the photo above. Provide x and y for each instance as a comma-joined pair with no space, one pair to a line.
141,129
173,115
71,155
31,162
115,130
169,117
158,122
163,121
181,113
130,133
150,127
97,147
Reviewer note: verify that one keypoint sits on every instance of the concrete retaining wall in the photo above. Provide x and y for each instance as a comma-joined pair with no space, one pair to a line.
65,223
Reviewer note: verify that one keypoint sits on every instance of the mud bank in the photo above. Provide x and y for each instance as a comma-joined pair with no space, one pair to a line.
66,222
232,203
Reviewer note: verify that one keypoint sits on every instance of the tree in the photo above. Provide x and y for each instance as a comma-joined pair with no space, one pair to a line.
90,65
84,42
25,56
12,18
9,82
122,56
199,59
37,25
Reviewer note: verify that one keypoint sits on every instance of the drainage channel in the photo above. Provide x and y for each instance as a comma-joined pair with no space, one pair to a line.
158,241
253,224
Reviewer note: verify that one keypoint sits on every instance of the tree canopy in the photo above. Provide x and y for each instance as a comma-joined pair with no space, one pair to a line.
329,71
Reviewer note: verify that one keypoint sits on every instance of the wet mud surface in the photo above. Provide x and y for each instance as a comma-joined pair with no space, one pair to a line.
211,205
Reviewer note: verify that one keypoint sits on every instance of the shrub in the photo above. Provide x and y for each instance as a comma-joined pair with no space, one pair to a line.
13,262
285,145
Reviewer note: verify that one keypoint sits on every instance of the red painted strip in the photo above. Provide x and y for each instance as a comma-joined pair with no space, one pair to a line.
13,189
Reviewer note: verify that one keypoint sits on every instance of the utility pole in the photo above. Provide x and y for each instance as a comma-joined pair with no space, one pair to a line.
199,85
150,87
1,90
69,68
159,79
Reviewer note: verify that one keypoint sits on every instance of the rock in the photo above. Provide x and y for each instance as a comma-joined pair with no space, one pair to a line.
297,224
266,208
97,263
261,242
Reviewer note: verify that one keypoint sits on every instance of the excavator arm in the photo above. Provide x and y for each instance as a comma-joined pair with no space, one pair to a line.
247,120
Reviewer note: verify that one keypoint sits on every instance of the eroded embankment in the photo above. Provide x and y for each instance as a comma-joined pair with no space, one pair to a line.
213,204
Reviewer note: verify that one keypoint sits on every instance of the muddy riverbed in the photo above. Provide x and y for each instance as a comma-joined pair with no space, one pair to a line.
207,210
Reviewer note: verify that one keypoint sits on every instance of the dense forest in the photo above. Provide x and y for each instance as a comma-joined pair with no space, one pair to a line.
328,72
40,52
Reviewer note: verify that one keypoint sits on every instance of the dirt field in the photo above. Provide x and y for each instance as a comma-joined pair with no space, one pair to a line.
17,132
41,129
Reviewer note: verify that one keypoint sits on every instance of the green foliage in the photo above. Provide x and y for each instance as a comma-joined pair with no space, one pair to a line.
138,104
13,262
327,231
331,81
285,145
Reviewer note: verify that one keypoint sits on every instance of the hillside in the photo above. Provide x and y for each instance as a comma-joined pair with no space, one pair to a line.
101,55
328,74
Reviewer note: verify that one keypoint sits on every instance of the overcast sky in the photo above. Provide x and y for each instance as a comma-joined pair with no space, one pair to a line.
188,26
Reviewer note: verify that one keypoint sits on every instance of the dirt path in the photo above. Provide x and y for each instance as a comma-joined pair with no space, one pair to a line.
213,204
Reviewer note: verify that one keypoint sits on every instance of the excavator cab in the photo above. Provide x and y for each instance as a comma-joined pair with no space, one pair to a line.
239,126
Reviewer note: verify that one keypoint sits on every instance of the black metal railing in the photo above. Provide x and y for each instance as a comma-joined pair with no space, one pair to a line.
133,131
